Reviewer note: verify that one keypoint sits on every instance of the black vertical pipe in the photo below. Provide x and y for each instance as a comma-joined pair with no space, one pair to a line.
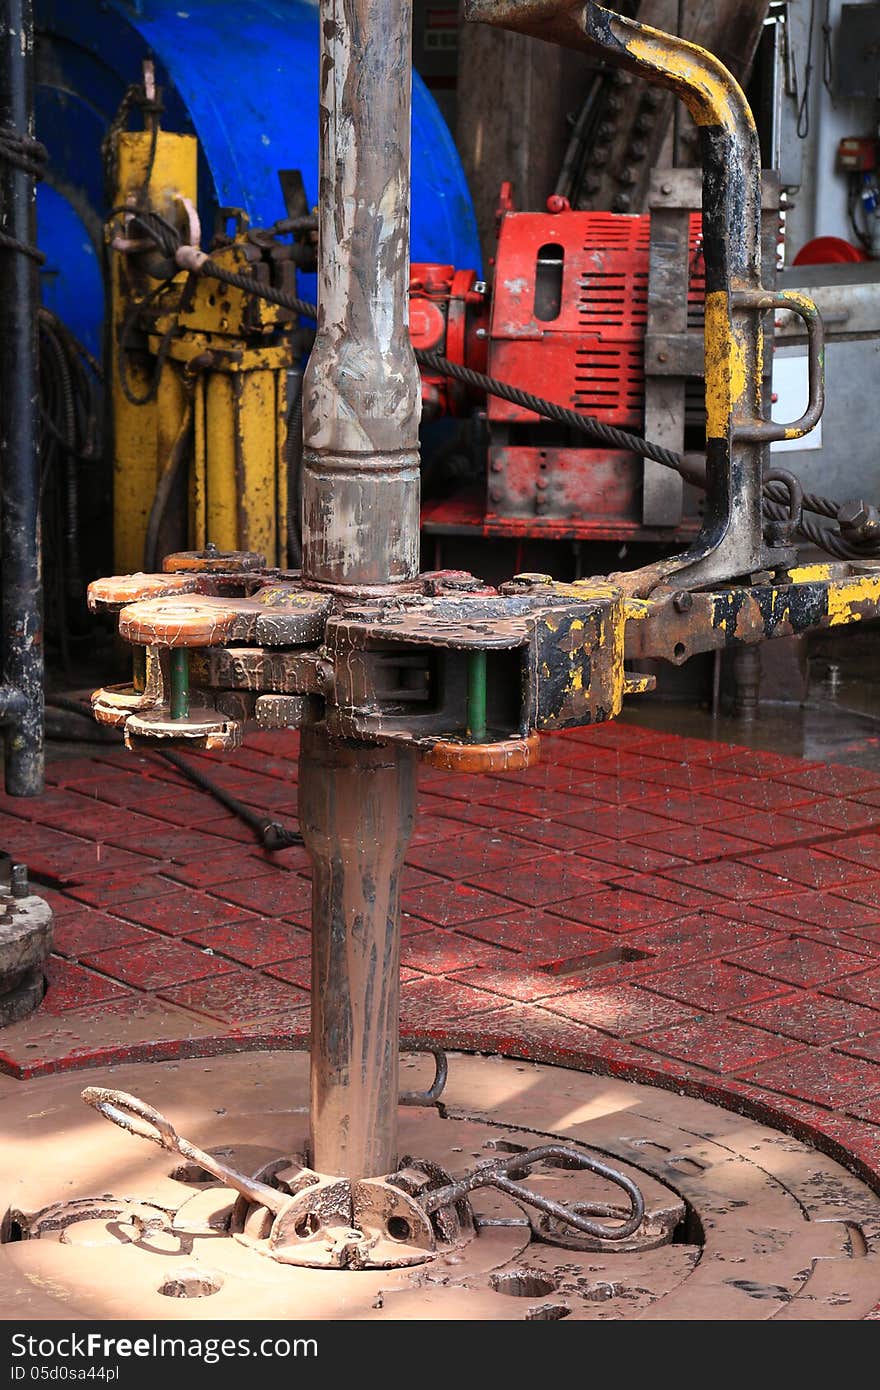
21,598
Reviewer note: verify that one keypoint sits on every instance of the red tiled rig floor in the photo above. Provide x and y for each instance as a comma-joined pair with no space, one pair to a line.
682,912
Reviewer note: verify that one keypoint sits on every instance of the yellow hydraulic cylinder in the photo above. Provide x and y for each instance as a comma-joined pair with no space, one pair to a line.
142,432
245,478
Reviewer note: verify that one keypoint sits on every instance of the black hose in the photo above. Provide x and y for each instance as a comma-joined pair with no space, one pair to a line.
271,833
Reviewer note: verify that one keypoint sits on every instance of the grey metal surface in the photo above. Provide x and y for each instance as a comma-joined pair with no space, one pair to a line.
848,296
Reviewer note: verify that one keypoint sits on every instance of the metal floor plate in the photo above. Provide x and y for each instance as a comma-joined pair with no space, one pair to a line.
761,1225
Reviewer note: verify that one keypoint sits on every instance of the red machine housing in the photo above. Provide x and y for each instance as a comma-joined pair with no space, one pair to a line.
568,320
449,314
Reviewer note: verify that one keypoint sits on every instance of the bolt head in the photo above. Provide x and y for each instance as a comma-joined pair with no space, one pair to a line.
683,601
853,513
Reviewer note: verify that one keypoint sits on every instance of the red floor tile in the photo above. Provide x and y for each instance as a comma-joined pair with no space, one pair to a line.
867,1047
863,939
442,952
695,777
617,911
293,972
255,941
729,878
614,823
761,830
628,975
697,937
536,934
426,1005
682,894
533,801
817,909
472,813
73,987
809,1017
835,813
858,989
170,843
834,779
269,895
452,904
751,762
182,912
625,855
714,986
120,890
801,961
825,1077
471,853
516,979
548,834
151,965
755,795
613,734
547,879
224,865
685,809
812,868
432,830
612,790
78,934
857,849
625,1010
717,1043
693,842
866,1110
241,996
867,893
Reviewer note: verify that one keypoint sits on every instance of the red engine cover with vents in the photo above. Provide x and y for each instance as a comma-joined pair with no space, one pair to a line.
569,308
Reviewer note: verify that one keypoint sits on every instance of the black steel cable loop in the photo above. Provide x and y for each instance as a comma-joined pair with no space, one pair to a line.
30,155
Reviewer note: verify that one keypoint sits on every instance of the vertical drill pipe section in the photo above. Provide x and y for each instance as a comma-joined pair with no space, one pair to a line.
360,529
730,542
361,392
22,654
356,809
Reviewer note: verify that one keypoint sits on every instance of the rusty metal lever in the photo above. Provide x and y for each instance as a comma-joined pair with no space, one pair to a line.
125,1110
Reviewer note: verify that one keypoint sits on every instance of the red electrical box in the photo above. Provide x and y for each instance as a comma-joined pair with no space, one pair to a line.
569,312
857,154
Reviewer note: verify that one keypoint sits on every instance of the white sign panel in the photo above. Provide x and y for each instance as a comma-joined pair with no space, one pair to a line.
790,394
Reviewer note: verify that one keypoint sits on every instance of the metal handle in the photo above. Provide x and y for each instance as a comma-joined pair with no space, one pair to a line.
125,1110
769,431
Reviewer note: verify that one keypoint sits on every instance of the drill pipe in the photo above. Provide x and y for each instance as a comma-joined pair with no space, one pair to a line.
360,527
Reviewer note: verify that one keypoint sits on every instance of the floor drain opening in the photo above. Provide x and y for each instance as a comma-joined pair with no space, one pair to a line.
190,1283
548,1312
614,955
523,1283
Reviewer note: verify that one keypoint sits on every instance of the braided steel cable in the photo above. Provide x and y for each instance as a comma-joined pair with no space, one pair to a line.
30,155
